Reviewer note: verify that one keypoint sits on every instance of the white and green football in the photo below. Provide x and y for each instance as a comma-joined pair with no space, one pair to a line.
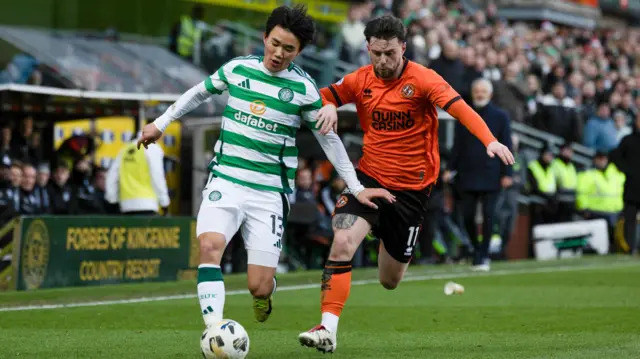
225,340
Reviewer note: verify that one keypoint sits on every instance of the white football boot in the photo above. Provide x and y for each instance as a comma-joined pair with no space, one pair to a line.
320,338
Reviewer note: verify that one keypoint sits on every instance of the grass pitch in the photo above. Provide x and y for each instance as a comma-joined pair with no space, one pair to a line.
583,308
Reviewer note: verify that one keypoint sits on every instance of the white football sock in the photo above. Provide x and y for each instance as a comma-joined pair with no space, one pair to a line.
330,321
211,293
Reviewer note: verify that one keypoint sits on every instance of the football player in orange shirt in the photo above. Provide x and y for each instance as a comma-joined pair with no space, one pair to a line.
396,102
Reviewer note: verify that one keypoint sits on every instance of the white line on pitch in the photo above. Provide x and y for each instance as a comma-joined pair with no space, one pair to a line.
315,286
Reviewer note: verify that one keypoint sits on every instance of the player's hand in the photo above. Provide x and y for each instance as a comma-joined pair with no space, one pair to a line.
496,148
367,194
506,182
327,119
150,134
447,176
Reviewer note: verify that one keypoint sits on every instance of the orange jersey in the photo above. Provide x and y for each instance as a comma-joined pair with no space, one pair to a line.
400,122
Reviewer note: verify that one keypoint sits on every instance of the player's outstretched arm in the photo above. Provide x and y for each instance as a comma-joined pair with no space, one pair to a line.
337,155
185,104
461,111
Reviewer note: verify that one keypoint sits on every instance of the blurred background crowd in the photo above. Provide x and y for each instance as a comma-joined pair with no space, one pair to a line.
579,85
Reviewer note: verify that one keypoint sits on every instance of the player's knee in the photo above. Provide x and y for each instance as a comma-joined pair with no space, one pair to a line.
211,247
341,249
260,287
389,283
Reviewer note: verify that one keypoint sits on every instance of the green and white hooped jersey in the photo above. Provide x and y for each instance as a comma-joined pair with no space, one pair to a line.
257,143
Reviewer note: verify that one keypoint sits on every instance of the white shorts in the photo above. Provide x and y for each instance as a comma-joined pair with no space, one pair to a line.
260,215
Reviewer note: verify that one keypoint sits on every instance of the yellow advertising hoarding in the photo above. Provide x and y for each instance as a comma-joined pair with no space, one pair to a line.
330,11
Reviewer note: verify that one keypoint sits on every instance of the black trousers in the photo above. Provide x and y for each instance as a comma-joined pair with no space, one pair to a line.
469,201
630,224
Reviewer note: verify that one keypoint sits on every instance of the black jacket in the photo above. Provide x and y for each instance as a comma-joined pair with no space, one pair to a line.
60,198
559,117
30,203
627,158
476,171
451,71
85,199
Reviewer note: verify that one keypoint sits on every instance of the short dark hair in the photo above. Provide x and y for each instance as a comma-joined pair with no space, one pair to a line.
385,27
296,20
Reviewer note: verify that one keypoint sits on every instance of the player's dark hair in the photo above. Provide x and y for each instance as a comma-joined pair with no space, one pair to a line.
385,27
296,20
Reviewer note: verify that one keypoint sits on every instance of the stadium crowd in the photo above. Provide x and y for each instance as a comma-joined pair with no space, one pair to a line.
35,182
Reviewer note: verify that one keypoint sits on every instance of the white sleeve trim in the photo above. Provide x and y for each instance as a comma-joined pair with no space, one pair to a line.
337,155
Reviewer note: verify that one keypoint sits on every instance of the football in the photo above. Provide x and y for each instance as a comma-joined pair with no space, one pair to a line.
226,339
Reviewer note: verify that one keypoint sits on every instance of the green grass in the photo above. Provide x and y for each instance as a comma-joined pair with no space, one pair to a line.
590,312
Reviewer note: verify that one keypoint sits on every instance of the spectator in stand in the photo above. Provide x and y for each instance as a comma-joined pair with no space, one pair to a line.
511,94
303,193
589,103
628,107
99,183
21,142
10,196
35,151
42,179
329,194
353,35
620,122
625,157
534,94
600,132
558,115
29,200
60,191
449,66
85,196
5,172
6,149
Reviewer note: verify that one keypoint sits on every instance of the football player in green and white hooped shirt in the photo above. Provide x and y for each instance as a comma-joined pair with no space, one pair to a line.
256,157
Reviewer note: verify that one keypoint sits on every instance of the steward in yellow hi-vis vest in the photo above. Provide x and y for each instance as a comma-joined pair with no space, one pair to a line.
541,185
566,182
136,180
599,192
189,32
541,180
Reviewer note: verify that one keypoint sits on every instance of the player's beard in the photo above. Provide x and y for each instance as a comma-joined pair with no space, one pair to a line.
481,103
385,73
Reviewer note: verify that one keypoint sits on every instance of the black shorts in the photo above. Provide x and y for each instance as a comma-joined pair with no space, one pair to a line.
398,224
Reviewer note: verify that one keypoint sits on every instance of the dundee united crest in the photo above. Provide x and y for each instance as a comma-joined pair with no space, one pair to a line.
408,90
342,201
35,255
285,95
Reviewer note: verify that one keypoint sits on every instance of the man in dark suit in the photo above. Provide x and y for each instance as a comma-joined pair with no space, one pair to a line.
625,157
479,178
